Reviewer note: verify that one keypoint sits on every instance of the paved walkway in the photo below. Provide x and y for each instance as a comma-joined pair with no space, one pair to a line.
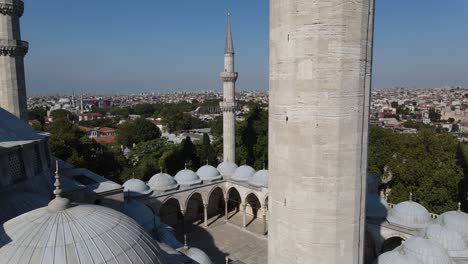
222,239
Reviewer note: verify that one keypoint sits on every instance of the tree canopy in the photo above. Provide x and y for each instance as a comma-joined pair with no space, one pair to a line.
137,131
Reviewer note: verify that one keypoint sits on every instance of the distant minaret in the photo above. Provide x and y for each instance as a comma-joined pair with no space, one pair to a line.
12,52
228,105
81,105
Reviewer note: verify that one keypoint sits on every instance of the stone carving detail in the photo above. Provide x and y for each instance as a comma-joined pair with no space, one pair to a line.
15,9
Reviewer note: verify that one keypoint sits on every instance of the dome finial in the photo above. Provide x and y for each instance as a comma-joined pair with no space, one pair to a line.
59,203
185,242
411,196
207,163
185,165
459,207
161,169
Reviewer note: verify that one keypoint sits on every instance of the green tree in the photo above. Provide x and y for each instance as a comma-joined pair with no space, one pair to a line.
63,114
206,150
434,115
451,120
137,131
38,114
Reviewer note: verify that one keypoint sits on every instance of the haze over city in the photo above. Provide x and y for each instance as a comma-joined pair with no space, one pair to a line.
113,46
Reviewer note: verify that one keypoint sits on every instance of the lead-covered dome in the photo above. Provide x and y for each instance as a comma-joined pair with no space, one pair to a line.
243,173
227,168
376,206
136,187
199,256
142,214
449,239
259,179
426,251
187,177
209,173
395,257
409,214
456,221
163,182
74,234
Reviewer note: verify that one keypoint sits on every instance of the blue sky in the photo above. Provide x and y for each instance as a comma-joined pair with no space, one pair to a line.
108,46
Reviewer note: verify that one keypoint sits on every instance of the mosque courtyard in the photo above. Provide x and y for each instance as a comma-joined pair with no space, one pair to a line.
221,239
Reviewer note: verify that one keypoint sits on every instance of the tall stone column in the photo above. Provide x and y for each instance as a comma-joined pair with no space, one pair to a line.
12,52
205,214
320,63
244,215
228,105
226,209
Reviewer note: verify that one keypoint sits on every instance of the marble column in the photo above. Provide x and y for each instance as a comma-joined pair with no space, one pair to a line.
264,221
205,214
244,215
226,209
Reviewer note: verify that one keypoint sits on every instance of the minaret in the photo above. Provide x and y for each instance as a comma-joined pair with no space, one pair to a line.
12,52
320,69
228,105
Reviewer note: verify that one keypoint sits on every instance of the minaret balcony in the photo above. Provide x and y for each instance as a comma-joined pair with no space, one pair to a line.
228,106
13,48
228,76
12,7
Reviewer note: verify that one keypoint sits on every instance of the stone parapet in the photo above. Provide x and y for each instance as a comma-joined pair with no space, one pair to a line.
12,7
13,48
228,76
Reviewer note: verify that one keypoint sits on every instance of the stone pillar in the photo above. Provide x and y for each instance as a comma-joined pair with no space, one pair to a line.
264,221
226,209
320,68
205,214
244,215
183,211
228,105
12,52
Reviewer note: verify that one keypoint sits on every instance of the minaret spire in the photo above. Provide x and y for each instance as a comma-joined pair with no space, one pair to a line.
228,46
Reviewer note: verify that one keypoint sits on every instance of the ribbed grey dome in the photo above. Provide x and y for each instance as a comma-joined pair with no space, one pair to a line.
136,187
450,240
243,173
142,214
163,182
409,214
227,168
199,256
426,251
75,235
456,221
259,179
187,177
208,173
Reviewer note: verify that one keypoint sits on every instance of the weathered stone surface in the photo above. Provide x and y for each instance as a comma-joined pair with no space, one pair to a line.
320,62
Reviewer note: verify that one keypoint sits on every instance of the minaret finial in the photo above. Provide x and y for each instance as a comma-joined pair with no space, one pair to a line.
459,207
207,162
57,190
411,196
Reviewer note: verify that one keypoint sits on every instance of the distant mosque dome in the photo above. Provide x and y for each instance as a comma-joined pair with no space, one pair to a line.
243,173
376,206
259,179
425,251
163,182
142,214
449,239
456,221
395,257
136,188
208,173
199,256
227,168
72,234
187,177
409,214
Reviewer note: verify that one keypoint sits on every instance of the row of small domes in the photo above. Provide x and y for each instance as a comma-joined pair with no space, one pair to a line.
163,182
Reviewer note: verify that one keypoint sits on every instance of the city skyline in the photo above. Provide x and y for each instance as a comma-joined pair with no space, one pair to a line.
142,54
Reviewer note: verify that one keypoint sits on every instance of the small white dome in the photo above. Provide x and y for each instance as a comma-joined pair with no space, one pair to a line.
187,177
259,179
243,173
394,257
208,173
162,182
199,256
456,221
136,187
409,214
450,240
376,206
142,214
426,251
73,234
227,168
